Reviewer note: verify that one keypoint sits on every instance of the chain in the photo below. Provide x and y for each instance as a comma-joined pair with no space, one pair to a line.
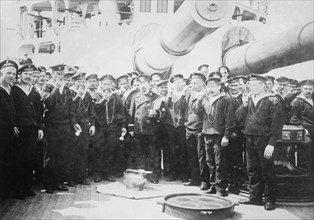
83,105
107,111
65,99
257,109
215,114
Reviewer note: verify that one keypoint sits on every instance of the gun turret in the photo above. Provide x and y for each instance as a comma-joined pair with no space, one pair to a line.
157,47
293,46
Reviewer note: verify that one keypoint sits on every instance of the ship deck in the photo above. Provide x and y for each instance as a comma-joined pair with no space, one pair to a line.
84,202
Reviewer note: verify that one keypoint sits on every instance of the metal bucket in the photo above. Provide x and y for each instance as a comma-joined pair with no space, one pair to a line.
198,206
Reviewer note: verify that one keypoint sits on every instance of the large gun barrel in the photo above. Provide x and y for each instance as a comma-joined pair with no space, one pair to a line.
156,48
293,46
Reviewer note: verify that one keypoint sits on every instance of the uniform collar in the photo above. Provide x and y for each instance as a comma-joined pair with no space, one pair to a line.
27,92
257,99
6,89
310,101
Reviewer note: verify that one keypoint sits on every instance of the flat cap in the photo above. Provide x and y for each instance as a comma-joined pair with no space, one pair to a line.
107,77
215,74
162,83
197,75
92,76
307,82
293,82
156,74
79,76
27,68
143,78
282,79
59,67
42,69
8,63
232,79
176,77
224,67
213,79
255,77
133,73
270,78
122,77
201,66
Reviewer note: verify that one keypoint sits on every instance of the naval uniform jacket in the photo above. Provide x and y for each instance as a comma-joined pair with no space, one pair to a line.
111,113
302,113
139,121
60,107
7,111
29,108
218,115
175,112
263,118
194,122
85,110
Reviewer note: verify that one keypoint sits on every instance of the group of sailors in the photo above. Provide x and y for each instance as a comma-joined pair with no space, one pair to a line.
65,125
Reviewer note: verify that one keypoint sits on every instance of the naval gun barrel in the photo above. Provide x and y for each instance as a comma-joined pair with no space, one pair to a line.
293,46
157,47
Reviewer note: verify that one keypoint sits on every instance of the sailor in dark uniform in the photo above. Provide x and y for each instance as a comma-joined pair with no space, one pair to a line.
203,69
156,78
263,125
235,147
174,120
224,70
110,124
29,122
217,111
8,70
60,124
194,137
302,113
270,83
143,121
282,92
85,116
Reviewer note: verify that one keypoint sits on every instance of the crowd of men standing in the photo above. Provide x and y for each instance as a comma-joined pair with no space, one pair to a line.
62,126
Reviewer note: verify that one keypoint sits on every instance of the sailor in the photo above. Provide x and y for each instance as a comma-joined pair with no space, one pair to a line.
292,85
41,79
270,82
162,134
8,70
225,72
302,113
92,82
235,148
156,77
29,127
35,76
110,124
194,137
60,124
218,123
174,121
143,121
127,93
85,116
203,69
263,124
282,92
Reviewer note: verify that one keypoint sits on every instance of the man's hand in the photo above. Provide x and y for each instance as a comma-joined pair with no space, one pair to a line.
245,99
152,113
92,130
77,127
131,133
268,151
16,132
40,135
59,83
224,142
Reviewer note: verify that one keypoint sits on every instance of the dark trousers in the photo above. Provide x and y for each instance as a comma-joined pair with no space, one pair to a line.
78,155
163,145
130,145
6,143
56,148
148,153
216,161
177,150
196,155
26,156
108,152
234,154
260,170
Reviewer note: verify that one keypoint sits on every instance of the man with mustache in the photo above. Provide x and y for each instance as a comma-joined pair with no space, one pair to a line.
282,92
302,113
143,125
8,70
261,114
218,116
29,128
